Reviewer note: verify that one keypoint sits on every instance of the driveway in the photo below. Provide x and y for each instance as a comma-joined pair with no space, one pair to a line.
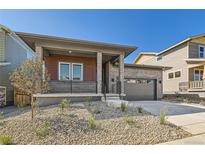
188,117
154,107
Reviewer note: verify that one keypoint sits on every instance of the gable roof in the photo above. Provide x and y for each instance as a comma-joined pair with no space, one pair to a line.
181,42
144,53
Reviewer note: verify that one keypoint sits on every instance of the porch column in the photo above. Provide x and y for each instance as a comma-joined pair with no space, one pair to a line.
121,72
39,53
99,72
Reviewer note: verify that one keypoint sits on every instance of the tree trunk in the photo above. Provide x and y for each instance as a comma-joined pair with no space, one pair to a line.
32,106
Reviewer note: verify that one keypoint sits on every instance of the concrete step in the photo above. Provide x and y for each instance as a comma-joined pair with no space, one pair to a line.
116,103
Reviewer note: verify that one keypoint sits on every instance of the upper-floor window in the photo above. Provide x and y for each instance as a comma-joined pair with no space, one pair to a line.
201,52
177,74
159,58
170,75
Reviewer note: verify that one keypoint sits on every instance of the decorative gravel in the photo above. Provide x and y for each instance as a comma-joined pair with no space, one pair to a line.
71,126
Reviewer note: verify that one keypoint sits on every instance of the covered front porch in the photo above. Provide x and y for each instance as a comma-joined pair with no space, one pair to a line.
196,77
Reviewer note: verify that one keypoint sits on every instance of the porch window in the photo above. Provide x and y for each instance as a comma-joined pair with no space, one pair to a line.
198,75
77,71
201,52
64,71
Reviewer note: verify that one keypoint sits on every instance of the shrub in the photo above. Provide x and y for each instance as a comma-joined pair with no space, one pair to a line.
1,115
43,131
140,110
96,111
88,100
162,117
6,140
92,122
64,104
123,106
129,120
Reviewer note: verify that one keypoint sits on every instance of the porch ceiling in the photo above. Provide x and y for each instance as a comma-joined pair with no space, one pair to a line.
77,53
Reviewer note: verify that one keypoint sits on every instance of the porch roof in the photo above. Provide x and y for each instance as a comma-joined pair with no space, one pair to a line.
99,45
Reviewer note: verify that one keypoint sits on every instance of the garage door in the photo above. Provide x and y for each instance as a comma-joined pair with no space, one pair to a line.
140,89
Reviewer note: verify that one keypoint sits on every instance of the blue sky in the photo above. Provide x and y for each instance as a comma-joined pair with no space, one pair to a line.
149,30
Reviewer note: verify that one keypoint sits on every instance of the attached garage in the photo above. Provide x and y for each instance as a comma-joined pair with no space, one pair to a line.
140,89
142,82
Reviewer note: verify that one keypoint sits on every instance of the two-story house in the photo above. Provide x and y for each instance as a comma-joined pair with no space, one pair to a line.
186,60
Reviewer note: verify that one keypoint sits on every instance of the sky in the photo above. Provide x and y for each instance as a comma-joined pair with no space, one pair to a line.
149,30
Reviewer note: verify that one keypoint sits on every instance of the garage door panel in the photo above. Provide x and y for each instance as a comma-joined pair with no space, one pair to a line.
139,89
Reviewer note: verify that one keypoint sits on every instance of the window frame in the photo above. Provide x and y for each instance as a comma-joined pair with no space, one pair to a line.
176,72
200,51
199,73
168,75
59,70
81,77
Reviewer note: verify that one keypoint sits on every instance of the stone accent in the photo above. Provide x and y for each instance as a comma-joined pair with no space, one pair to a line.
99,72
135,72
39,52
121,72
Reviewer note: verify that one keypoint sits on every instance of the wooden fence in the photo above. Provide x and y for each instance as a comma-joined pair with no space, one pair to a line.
21,98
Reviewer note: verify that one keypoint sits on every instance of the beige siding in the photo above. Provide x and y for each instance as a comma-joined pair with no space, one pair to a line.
146,59
174,58
2,46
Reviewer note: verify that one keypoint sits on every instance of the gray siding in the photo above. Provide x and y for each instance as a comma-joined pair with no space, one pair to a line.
15,55
2,46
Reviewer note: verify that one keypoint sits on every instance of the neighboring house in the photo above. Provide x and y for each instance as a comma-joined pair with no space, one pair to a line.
145,57
186,60
13,51
80,68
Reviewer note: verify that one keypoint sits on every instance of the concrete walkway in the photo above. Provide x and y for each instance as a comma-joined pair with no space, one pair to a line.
194,140
193,123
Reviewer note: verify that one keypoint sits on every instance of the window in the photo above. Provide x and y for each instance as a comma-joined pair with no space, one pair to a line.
177,74
159,58
170,75
77,72
201,52
64,71
70,71
198,74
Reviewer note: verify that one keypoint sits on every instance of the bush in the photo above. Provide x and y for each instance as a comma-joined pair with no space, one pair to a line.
140,110
6,140
88,100
123,106
43,131
162,117
129,120
92,122
1,115
64,104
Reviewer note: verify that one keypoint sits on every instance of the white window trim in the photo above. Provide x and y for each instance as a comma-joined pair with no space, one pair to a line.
199,51
59,71
200,69
174,74
81,77
180,74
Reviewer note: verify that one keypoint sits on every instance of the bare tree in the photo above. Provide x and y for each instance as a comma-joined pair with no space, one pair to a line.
31,79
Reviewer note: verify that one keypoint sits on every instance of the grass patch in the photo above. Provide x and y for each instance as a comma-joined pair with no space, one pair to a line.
162,117
6,140
65,103
123,106
92,122
129,120
43,131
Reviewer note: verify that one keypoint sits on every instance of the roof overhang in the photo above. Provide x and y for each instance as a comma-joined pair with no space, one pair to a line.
98,45
148,66
181,42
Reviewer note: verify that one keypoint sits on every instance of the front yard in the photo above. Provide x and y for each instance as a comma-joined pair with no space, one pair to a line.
52,125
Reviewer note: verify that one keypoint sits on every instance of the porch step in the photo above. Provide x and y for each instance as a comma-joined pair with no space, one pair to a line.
116,103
